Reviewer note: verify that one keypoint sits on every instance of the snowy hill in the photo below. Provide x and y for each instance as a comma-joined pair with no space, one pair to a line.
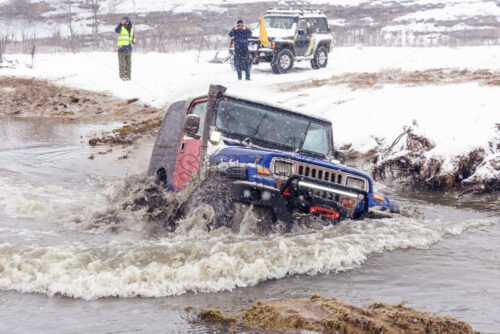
375,22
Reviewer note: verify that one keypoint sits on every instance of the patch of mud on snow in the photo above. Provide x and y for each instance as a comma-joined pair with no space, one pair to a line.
435,76
22,97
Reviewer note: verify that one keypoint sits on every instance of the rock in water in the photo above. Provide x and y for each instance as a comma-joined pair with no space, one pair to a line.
329,315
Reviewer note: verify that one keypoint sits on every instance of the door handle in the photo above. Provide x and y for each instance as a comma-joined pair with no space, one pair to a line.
183,144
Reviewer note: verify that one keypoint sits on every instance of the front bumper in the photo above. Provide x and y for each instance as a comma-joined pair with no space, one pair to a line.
299,195
305,190
261,195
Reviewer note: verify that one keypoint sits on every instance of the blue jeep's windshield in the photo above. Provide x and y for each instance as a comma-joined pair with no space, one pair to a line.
257,123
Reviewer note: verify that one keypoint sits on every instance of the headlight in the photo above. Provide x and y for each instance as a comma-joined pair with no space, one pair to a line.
355,183
283,168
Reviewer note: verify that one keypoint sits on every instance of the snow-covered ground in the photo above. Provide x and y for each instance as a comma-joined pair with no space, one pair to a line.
458,117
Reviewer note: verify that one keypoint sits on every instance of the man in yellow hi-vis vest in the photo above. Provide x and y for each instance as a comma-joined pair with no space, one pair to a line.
126,42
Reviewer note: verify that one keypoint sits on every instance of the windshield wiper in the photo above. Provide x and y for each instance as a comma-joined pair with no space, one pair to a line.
305,136
258,126
247,141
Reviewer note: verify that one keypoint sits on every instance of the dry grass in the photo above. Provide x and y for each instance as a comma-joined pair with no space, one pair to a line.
415,78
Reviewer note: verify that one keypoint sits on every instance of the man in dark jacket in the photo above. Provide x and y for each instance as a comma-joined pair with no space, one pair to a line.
126,42
240,34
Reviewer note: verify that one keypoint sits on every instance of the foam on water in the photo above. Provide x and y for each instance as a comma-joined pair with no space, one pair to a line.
23,199
194,257
204,261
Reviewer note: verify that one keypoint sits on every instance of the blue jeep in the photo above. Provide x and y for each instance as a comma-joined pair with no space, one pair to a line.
272,158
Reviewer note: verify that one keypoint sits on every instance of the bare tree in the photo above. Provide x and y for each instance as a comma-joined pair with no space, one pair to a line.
112,4
30,44
3,46
95,7
33,50
69,4
200,47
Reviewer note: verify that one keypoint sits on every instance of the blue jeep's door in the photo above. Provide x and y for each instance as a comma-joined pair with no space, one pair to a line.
189,151
165,150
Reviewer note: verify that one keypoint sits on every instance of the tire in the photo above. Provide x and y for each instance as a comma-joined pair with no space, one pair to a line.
161,177
202,192
282,62
320,59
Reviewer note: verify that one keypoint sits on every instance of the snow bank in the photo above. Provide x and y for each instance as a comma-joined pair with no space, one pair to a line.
487,175
413,156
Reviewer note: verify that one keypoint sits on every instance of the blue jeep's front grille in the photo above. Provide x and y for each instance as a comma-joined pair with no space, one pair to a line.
327,174
320,173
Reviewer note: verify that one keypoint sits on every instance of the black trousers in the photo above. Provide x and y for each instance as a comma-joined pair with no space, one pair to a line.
241,62
125,64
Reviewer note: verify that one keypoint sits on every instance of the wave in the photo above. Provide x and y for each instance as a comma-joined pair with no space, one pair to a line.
207,262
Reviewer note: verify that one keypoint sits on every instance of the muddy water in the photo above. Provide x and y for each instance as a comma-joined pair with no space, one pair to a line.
62,272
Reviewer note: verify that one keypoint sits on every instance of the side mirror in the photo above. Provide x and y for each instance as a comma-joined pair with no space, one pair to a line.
191,125
300,32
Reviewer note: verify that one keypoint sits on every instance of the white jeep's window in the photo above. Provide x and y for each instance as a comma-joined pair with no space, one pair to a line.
303,26
320,26
276,22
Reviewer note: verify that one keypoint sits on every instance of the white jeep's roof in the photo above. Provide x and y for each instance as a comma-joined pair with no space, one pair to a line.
295,12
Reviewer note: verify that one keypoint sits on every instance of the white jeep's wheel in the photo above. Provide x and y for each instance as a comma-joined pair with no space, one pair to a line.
282,62
320,58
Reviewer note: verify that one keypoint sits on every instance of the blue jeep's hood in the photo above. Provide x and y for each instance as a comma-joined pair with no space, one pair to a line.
263,157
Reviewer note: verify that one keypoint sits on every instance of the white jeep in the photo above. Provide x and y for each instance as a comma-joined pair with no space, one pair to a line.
294,35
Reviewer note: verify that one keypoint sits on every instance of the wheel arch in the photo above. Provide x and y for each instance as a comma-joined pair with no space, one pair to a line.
284,45
326,44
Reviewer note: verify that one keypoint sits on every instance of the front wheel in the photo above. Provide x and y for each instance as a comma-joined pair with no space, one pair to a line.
282,62
320,58
243,215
